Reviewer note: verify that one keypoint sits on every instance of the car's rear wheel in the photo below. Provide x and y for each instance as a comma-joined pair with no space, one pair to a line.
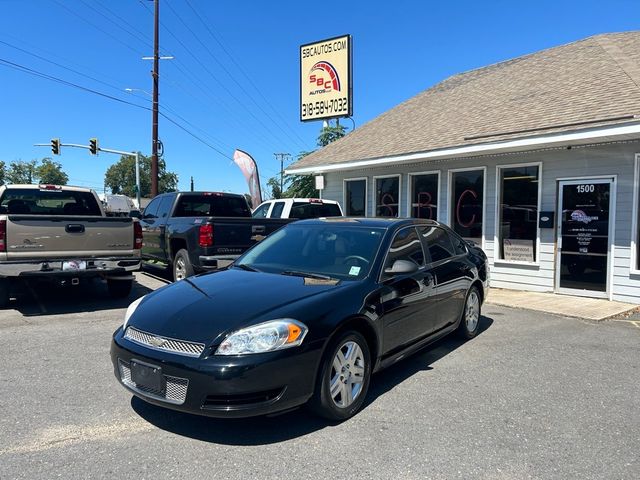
470,321
182,267
119,288
344,377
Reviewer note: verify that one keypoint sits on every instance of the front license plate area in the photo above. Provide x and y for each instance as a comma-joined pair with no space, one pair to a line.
147,376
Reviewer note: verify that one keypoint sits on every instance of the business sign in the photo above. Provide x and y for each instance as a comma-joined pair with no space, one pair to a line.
325,79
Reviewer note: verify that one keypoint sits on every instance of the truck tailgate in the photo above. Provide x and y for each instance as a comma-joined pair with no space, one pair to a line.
48,236
235,235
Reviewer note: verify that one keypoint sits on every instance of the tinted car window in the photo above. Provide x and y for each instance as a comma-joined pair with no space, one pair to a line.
165,206
276,212
438,243
458,244
405,246
261,211
212,205
27,201
304,210
152,209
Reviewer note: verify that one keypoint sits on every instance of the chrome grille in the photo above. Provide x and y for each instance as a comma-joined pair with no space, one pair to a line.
176,390
181,347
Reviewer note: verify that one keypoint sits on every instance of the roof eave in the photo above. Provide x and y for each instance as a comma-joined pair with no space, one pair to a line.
609,133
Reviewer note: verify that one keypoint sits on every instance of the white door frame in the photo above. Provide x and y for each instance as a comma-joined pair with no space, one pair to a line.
612,181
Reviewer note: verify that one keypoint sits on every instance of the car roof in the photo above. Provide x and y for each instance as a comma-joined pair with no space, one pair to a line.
368,222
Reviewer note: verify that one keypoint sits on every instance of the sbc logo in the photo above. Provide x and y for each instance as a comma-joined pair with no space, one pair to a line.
325,77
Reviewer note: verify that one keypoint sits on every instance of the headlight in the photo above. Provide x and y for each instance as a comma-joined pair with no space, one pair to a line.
264,337
130,310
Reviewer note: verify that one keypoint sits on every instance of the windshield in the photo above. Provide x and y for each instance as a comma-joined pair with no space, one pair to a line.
339,251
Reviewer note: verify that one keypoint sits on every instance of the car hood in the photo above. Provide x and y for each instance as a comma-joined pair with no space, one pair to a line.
202,308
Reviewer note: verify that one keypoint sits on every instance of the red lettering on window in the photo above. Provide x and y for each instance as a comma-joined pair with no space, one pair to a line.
459,204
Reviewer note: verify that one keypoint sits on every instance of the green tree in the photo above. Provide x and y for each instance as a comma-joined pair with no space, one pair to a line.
22,172
51,172
121,177
3,172
303,186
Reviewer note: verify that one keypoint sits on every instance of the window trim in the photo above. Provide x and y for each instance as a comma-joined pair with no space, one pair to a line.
635,211
366,194
374,199
484,199
496,239
410,193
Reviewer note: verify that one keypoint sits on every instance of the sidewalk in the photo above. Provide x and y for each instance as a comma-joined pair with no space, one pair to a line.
565,305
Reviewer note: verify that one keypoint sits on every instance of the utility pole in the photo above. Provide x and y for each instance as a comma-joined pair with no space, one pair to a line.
154,132
281,157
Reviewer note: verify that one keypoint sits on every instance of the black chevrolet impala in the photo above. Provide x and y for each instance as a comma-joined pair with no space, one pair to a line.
305,316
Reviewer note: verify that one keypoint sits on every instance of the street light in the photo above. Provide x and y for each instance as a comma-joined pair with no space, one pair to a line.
131,90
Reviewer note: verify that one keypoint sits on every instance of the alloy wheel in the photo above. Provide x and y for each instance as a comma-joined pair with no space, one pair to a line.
472,311
347,374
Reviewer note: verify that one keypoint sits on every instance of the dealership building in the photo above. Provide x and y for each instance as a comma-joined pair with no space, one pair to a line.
536,159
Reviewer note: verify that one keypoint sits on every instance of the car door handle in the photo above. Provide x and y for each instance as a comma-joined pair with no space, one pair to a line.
258,229
74,228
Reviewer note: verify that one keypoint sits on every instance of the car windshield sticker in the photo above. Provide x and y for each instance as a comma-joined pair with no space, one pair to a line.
354,271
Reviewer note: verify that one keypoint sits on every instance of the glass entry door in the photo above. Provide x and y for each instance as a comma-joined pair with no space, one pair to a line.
584,236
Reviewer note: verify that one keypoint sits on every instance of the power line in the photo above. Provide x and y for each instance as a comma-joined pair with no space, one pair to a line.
201,17
36,73
97,27
224,87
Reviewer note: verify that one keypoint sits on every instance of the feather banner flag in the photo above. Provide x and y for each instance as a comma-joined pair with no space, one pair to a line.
249,169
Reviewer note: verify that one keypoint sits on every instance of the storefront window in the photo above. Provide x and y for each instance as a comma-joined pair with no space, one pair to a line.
387,196
355,193
424,196
467,200
518,214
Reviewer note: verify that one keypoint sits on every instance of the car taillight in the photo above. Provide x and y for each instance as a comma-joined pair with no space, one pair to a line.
3,235
205,238
137,235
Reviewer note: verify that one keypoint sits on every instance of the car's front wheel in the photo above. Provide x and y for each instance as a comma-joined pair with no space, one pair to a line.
470,321
344,377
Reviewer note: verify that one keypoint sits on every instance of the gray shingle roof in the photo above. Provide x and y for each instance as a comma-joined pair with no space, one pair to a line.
595,79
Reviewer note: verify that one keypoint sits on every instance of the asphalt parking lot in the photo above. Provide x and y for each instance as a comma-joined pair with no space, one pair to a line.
533,396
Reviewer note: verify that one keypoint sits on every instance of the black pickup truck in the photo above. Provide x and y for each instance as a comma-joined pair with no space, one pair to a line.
195,232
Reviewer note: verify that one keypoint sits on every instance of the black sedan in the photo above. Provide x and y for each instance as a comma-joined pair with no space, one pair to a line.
305,316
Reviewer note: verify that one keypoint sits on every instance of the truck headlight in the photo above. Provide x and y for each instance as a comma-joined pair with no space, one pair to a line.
264,337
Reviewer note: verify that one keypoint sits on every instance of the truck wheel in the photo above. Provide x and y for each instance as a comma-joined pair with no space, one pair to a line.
182,267
119,288
4,292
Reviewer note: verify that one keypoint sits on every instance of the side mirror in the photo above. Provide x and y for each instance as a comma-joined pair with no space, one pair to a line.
401,267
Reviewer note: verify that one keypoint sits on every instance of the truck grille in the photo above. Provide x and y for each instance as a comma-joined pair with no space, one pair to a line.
181,347
176,390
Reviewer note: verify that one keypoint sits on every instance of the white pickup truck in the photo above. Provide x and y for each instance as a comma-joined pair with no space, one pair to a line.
299,208
62,233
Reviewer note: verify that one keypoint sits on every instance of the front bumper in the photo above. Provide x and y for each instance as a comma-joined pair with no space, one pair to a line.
104,267
219,386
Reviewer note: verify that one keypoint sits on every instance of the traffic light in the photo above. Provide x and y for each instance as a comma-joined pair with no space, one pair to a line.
93,146
55,146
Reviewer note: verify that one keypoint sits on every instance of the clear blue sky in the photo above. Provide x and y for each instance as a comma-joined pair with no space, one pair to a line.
400,48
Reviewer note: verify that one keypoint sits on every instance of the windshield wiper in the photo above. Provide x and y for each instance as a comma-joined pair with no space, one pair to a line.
246,267
317,276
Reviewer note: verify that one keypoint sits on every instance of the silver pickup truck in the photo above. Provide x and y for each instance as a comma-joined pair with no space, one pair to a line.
62,233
